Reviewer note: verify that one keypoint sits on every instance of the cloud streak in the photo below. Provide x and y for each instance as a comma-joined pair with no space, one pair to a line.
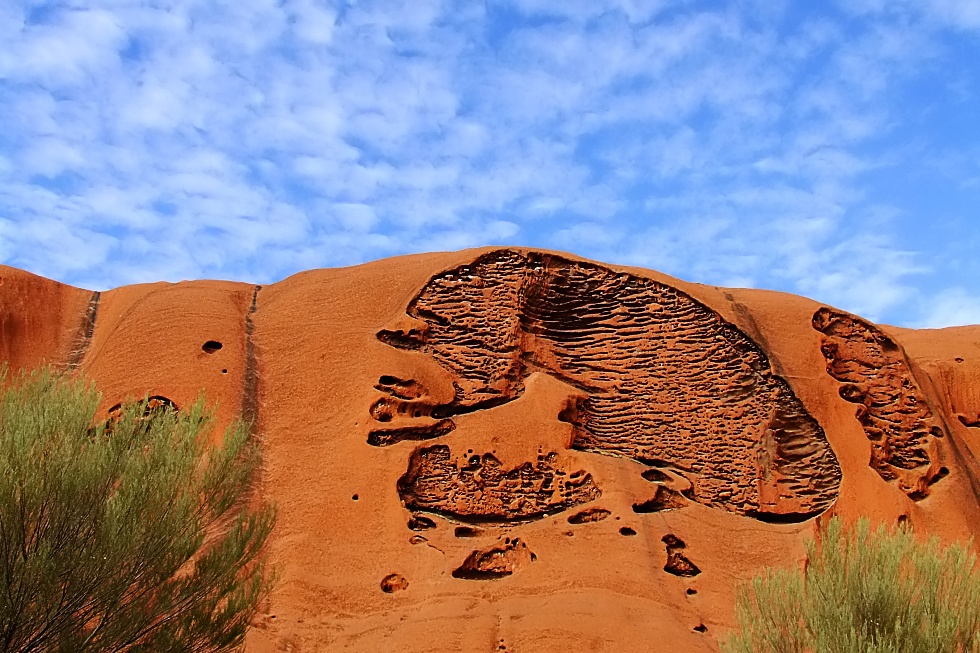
768,145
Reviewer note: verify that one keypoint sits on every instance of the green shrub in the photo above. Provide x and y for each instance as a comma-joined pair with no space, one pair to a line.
864,591
135,535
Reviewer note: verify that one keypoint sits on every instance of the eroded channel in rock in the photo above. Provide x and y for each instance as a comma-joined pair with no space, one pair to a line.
890,405
667,379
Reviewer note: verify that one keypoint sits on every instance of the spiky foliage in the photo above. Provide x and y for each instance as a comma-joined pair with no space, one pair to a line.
864,591
133,535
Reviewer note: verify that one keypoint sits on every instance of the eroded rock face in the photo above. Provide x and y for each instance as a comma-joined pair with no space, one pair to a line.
588,516
497,561
668,381
393,583
678,564
891,406
638,370
483,491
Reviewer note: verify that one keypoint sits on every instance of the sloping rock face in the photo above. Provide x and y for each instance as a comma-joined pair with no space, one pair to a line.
506,449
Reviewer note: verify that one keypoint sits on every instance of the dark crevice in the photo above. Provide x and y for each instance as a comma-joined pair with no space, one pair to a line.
420,523
250,390
83,338
785,517
211,346
678,564
388,437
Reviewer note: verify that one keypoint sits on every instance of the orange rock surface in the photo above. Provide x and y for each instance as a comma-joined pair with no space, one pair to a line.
515,450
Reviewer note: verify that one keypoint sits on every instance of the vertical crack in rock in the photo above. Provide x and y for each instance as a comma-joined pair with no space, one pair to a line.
481,490
890,405
666,377
250,385
83,337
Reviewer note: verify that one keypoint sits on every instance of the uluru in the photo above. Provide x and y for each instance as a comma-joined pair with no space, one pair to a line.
514,449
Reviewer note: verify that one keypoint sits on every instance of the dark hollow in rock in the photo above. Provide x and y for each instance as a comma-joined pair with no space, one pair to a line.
890,404
496,561
151,405
481,490
588,515
701,628
420,523
393,583
406,390
677,563
211,346
664,499
626,530
399,403
941,473
654,475
388,437
466,531
665,377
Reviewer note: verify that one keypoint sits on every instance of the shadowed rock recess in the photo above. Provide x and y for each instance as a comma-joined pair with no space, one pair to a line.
483,491
669,382
890,405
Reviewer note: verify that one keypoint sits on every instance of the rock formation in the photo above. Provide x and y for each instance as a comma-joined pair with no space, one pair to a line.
507,449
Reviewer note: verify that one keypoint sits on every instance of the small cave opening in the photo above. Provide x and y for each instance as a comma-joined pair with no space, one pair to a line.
941,474
211,346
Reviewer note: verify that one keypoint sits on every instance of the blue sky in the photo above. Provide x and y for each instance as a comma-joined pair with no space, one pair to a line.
830,149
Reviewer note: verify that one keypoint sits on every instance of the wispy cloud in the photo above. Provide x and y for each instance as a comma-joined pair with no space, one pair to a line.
765,144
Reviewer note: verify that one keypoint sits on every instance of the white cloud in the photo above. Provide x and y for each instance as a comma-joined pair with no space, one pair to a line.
952,307
253,139
68,51
959,14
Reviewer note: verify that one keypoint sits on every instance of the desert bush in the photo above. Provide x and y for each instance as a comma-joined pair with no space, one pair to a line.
864,591
133,535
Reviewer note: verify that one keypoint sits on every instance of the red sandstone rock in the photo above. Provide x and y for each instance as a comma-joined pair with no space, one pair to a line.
509,401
